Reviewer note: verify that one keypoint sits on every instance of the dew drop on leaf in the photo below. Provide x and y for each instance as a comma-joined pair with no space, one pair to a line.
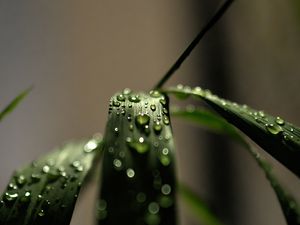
10,197
155,94
46,169
142,120
166,189
274,128
90,146
121,98
153,107
153,208
130,173
141,197
279,121
157,127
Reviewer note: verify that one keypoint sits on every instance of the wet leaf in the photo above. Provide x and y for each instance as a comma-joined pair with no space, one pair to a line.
45,192
138,178
13,104
278,137
203,214
216,124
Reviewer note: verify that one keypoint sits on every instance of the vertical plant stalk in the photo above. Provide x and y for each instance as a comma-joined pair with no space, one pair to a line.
215,18
138,177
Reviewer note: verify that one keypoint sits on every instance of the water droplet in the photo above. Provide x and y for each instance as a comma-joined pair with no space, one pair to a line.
165,160
198,90
274,128
79,168
261,114
166,120
117,164
131,127
90,146
10,197
116,103
35,177
142,120
116,130
165,111
53,176
152,219
12,186
141,197
121,98
157,127
279,121
153,208
155,94
134,98
41,213
46,169
26,198
76,164
102,204
126,91
130,173
141,146
166,189
153,107
163,101
179,86
165,151
165,201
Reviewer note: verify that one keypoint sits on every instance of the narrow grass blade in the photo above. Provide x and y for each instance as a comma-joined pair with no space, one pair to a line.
138,177
13,104
45,192
279,138
287,202
198,206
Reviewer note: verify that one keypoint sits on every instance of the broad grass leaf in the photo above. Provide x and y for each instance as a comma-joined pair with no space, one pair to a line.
138,173
217,124
279,138
45,191
13,104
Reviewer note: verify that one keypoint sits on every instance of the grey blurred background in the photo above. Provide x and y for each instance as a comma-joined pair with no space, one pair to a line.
79,53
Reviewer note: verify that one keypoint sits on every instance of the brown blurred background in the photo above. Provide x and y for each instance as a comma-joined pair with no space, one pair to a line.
79,53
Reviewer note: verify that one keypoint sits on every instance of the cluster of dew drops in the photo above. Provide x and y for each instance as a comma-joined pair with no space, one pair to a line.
20,187
142,121
141,145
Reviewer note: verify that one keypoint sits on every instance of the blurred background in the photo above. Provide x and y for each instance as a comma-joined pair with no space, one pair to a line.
79,53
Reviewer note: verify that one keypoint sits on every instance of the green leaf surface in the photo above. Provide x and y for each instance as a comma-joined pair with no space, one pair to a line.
203,214
279,138
45,191
287,202
138,173
13,104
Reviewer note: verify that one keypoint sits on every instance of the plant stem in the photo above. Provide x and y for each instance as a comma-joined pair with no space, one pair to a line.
218,14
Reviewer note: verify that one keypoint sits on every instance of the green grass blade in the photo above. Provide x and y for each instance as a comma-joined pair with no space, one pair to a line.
198,206
13,104
138,174
287,202
279,138
45,192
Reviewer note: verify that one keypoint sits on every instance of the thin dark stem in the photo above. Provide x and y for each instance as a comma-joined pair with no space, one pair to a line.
219,13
